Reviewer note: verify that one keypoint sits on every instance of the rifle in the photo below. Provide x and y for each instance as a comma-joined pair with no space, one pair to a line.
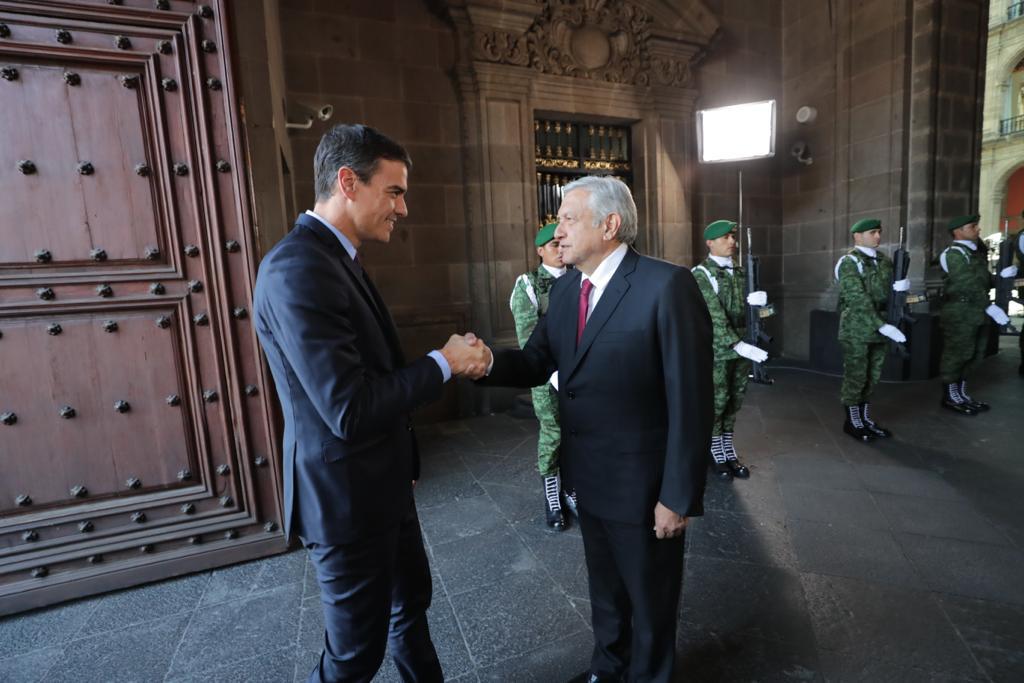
756,334
896,310
1006,285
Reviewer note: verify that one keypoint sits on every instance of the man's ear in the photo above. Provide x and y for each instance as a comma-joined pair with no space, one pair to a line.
611,226
346,181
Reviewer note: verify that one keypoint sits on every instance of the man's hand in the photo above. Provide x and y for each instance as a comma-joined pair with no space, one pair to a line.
467,356
667,524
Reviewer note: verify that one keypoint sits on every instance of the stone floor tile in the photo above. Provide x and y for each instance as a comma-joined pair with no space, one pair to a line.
907,482
474,561
725,598
147,603
873,625
555,662
938,518
48,627
837,506
816,469
742,538
276,666
239,581
31,667
733,659
460,519
142,652
239,630
514,616
853,552
560,553
976,570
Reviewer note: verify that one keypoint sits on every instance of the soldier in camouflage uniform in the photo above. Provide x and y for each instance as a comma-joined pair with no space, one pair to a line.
722,284
865,278
529,302
966,304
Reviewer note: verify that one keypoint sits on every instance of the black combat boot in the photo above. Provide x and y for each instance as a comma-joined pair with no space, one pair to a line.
977,405
952,400
872,426
553,502
732,460
854,425
718,466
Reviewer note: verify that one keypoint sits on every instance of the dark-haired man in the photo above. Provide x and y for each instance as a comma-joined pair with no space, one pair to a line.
346,392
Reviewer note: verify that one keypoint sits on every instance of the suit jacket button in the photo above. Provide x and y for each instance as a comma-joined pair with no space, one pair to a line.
572,432
571,395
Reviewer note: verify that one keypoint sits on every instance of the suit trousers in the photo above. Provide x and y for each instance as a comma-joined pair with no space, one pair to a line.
375,592
635,583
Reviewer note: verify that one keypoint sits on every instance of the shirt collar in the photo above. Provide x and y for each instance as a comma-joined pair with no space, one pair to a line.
349,247
970,244
873,253
603,273
722,261
554,272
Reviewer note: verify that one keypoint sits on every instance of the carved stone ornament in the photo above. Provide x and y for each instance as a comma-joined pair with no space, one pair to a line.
602,40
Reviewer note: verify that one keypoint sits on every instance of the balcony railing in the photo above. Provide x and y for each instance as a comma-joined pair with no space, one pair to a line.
1011,126
1015,11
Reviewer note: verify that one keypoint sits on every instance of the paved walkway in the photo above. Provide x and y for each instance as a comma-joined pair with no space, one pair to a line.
896,561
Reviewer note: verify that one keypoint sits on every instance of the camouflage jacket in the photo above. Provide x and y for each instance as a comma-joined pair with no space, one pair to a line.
966,281
725,297
529,301
864,284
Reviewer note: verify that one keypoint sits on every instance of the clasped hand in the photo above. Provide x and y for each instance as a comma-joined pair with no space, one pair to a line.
467,355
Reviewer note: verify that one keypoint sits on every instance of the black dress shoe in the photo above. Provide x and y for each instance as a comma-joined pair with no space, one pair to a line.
591,677
962,408
979,406
722,471
859,433
877,431
555,519
738,469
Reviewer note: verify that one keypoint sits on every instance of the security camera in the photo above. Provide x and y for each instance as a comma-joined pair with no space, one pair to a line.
312,113
802,153
806,114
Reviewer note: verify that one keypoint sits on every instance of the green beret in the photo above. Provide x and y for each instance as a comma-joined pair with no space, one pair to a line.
546,234
865,224
719,228
961,221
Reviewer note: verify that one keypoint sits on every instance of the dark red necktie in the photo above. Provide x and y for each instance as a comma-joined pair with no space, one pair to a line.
581,319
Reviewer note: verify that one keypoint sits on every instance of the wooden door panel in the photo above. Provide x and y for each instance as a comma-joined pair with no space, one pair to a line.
136,440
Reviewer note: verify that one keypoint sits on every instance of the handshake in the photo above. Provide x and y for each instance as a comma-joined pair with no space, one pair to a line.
468,356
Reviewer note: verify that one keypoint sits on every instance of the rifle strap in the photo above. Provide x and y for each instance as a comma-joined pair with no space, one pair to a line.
711,278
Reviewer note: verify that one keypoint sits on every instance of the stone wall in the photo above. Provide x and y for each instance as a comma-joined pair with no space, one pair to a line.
387,64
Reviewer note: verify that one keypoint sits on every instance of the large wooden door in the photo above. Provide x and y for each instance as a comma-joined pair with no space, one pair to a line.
136,437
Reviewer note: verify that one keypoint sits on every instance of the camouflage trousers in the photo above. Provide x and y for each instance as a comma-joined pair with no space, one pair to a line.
545,407
963,347
862,368
730,378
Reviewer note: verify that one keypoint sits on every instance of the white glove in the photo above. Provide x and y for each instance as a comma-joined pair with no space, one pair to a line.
553,380
757,298
901,285
1008,271
997,314
750,352
892,332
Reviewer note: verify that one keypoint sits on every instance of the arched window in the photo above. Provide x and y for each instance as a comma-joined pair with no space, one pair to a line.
1014,123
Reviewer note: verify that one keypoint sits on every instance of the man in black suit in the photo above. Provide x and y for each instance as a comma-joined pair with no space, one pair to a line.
346,392
631,339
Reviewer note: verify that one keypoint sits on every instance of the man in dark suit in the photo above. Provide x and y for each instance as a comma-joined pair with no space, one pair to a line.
630,337
346,392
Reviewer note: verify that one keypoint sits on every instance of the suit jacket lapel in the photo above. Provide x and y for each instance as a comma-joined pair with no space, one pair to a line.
610,298
364,285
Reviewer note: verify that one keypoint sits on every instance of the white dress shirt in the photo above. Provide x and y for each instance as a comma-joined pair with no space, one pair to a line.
723,262
602,275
